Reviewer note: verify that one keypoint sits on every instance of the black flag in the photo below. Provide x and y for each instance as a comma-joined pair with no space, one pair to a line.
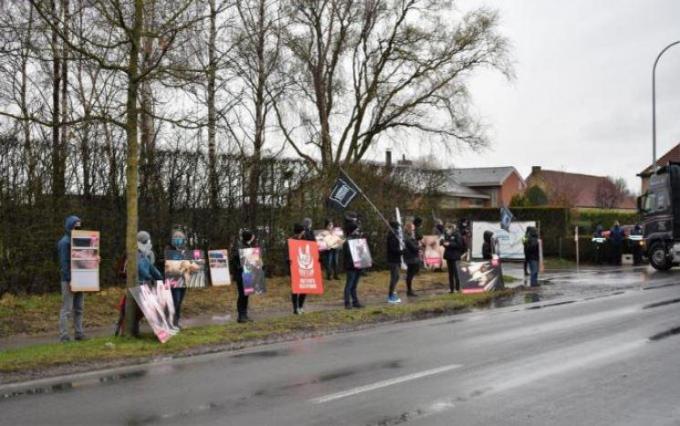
343,193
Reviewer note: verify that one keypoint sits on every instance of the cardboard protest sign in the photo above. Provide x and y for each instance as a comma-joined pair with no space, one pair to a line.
477,277
433,255
329,240
510,242
305,269
253,274
219,267
84,260
155,302
185,268
361,255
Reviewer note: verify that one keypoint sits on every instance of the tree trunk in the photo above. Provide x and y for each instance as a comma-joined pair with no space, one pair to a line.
58,180
212,115
132,170
63,143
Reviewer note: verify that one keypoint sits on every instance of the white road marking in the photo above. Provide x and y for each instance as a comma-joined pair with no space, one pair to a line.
384,384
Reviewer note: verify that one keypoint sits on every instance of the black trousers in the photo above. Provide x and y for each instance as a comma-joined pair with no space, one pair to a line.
394,277
177,298
298,301
411,270
241,301
454,280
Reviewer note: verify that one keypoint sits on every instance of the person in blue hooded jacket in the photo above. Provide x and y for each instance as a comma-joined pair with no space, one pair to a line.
72,302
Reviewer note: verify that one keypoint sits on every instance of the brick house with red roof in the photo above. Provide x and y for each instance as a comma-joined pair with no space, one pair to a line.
574,189
672,155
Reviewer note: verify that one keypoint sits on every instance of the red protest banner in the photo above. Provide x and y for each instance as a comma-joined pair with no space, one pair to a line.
305,269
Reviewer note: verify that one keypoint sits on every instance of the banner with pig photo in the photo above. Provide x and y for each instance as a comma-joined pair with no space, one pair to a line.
305,269
84,260
433,253
185,268
361,255
477,277
155,302
253,272
329,240
219,267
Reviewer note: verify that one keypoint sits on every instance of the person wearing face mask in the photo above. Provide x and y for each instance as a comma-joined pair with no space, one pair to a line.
247,241
178,242
353,273
147,273
72,303
454,247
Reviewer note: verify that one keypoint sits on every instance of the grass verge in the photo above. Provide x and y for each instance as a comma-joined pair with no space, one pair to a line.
232,336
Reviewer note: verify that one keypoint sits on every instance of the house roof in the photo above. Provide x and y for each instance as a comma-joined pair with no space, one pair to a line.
483,176
453,188
581,188
672,155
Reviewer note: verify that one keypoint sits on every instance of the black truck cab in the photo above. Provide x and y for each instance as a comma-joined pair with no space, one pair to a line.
660,210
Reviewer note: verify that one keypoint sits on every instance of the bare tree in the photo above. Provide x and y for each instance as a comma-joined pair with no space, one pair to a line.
610,193
407,62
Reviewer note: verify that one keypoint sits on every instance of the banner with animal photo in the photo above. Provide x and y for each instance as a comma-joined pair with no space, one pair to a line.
155,302
219,267
185,268
510,242
433,254
305,269
253,272
84,260
478,277
361,255
328,240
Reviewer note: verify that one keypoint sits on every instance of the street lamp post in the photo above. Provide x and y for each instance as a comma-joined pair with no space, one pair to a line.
656,62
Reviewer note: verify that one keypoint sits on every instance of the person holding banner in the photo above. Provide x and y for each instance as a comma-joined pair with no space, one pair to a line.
411,257
247,241
72,303
298,300
330,256
178,242
353,273
454,248
394,253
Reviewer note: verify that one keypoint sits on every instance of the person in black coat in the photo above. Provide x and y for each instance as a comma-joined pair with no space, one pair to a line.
533,254
454,248
411,257
353,273
487,246
247,241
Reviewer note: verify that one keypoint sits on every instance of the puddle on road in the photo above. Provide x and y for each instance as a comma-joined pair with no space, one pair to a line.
73,385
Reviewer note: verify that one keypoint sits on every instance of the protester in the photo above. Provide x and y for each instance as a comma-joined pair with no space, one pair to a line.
454,248
411,257
418,223
147,273
487,245
466,233
247,241
616,237
309,232
438,229
330,256
637,244
353,273
298,300
178,242
533,254
598,239
394,253
72,303
525,240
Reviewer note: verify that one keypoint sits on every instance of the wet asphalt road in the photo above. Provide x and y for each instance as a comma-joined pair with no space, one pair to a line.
593,348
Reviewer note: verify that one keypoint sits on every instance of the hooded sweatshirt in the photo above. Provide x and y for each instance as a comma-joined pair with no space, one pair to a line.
64,249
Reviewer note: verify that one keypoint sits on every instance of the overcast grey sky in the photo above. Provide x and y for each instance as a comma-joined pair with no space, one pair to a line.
581,99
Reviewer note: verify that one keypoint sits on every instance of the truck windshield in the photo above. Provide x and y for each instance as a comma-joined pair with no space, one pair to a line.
654,202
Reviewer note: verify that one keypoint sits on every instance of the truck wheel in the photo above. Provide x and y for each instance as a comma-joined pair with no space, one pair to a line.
659,258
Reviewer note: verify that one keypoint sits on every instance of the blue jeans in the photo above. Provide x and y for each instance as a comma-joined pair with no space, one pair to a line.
351,284
533,268
331,263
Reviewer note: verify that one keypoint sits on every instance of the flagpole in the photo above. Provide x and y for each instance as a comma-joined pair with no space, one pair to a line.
369,202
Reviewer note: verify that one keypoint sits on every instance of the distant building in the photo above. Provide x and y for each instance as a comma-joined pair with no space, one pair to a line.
672,155
578,190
